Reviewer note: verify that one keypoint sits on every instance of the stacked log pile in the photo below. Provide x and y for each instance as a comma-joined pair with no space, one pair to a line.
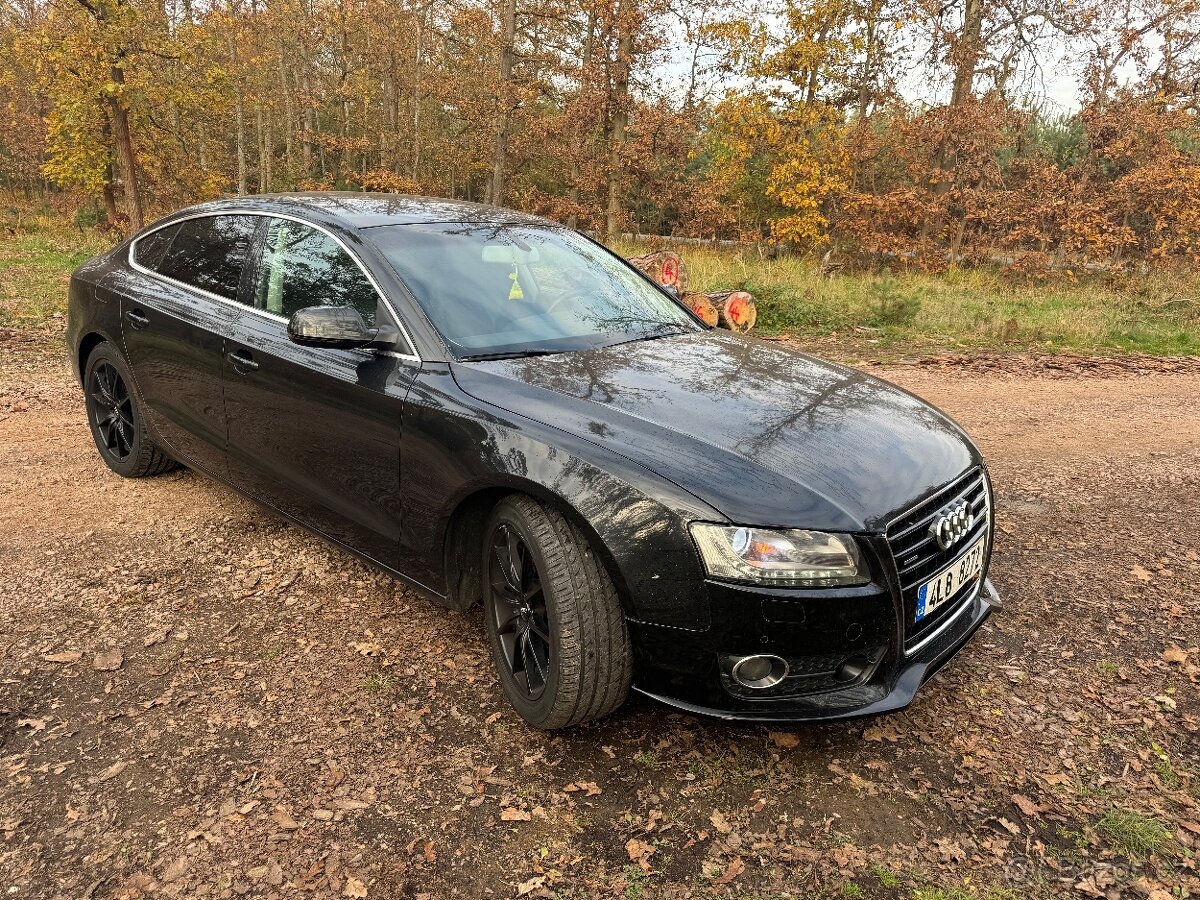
734,310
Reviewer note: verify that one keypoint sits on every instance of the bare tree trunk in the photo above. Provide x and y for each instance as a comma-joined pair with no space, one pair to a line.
310,128
239,115
619,119
119,115
866,75
106,191
289,111
416,93
266,158
500,151
585,80
260,139
966,52
240,124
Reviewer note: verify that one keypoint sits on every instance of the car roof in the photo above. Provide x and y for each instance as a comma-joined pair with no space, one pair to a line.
368,210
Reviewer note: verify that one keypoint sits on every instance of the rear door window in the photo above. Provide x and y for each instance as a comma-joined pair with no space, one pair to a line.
208,253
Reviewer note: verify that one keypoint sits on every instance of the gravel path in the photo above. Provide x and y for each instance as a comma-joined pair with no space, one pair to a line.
197,700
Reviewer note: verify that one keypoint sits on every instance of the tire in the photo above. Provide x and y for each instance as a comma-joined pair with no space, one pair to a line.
115,417
587,665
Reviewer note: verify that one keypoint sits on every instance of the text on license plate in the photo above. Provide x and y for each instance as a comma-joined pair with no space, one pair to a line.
946,583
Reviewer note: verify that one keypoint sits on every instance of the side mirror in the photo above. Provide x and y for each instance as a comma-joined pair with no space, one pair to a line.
337,328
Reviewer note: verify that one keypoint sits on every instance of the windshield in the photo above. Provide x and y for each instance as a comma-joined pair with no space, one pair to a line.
501,290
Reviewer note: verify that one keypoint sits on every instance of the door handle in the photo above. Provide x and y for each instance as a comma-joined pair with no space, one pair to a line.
136,319
242,362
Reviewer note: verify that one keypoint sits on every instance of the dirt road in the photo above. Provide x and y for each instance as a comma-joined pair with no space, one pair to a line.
197,700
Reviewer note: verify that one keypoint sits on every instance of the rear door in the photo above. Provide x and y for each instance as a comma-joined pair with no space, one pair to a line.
316,432
177,309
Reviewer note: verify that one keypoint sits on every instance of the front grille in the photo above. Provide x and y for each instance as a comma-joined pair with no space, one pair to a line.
917,554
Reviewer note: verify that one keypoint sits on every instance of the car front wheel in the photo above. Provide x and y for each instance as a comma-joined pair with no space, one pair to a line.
553,618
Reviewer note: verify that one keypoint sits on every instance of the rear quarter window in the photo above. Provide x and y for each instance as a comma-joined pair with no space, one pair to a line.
148,251
208,253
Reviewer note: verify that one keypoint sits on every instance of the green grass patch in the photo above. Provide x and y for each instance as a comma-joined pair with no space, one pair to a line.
963,309
36,261
1133,834
377,684
885,876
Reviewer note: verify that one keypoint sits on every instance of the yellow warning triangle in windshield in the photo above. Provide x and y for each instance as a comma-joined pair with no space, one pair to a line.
515,292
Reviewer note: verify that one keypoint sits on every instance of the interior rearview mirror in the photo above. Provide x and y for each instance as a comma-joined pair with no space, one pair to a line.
509,255
337,328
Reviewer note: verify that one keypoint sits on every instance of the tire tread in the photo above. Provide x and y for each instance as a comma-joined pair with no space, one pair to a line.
595,659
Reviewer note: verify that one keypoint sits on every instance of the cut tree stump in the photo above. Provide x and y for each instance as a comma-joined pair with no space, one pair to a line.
736,310
703,307
665,267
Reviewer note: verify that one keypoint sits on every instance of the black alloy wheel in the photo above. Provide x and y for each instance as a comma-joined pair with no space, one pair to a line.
519,611
554,620
111,410
114,416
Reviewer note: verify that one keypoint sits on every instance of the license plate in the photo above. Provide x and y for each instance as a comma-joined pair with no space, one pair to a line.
943,586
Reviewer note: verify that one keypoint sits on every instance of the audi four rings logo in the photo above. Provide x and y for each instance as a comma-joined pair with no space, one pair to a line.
951,525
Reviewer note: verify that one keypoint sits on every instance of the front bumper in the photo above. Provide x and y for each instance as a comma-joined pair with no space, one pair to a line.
681,668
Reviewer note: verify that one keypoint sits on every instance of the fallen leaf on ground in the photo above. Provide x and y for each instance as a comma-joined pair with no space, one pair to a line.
590,788
1175,654
1141,574
719,822
735,868
155,637
284,819
512,814
785,740
177,869
113,771
1027,806
881,733
354,888
531,885
108,661
638,850
35,724
66,656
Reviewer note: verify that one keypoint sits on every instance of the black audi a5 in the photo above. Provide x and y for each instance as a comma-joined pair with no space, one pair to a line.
497,410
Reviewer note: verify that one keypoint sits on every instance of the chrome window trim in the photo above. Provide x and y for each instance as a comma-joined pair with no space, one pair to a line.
134,264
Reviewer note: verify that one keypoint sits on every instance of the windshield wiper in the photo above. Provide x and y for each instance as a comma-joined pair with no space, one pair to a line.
659,330
509,354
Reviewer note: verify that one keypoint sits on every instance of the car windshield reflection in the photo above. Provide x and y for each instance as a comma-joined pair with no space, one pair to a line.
504,291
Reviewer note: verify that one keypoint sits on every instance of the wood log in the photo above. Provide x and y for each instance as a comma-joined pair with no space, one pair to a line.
736,310
665,267
703,307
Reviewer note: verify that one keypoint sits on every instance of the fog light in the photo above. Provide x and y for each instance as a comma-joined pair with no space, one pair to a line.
759,672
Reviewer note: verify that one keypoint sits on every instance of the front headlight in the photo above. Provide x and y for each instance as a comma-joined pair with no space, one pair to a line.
784,558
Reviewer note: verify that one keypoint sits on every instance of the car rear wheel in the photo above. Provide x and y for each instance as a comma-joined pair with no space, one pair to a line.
553,619
115,418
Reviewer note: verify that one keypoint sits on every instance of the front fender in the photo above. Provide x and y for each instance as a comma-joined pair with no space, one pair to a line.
455,447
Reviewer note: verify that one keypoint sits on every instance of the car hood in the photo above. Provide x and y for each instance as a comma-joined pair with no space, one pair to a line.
761,432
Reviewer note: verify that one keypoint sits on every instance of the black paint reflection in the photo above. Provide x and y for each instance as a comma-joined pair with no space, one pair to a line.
767,435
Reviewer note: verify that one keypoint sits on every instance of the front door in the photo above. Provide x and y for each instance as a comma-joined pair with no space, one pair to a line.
316,432
177,308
